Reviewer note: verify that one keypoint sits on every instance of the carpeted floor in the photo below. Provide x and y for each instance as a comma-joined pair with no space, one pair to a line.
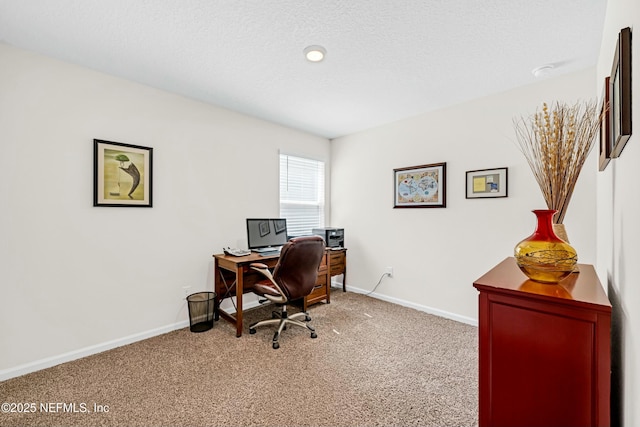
373,364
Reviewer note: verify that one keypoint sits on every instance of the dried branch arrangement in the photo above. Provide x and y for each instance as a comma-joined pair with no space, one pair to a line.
556,142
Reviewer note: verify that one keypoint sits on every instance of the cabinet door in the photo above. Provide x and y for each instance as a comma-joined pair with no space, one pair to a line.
542,364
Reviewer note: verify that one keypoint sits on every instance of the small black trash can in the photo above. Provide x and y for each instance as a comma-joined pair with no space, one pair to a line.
201,308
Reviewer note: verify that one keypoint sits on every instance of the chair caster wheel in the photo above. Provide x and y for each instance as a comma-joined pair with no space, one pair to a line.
307,318
276,346
314,335
252,331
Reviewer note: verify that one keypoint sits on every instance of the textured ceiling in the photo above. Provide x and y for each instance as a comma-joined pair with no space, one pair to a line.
387,59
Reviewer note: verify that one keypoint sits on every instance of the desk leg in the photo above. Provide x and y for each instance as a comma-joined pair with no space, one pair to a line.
217,286
239,292
328,286
225,291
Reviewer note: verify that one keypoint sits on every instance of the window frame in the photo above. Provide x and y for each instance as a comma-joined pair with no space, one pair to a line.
309,213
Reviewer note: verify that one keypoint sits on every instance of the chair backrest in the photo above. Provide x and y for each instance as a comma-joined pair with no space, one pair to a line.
297,270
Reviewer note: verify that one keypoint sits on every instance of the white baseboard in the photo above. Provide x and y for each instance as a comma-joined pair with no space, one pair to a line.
87,351
426,309
98,348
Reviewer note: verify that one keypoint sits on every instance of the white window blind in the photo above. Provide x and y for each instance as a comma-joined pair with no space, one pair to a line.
301,194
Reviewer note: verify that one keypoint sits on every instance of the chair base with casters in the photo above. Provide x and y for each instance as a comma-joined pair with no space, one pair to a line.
293,278
282,320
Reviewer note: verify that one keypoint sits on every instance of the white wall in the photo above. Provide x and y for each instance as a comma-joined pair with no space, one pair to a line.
74,278
618,227
438,253
77,278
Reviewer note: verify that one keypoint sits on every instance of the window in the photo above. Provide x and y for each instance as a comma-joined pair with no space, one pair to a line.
301,194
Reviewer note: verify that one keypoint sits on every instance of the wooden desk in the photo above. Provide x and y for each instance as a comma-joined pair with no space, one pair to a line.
233,277
544,350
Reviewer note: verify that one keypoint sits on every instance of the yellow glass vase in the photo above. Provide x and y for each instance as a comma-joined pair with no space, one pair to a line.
543,256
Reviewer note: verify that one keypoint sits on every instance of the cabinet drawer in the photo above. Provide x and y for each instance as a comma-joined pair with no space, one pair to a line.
317,294
337,257
323,262
337,269
320,289
337,263
321,281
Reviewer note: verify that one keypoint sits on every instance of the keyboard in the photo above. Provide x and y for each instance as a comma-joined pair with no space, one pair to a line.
268,250
269,253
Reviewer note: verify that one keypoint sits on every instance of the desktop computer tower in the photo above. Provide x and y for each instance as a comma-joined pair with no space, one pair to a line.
333,237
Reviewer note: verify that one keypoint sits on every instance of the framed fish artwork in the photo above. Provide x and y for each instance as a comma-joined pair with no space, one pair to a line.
122,174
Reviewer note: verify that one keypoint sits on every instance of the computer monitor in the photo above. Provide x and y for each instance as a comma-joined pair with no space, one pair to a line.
266,233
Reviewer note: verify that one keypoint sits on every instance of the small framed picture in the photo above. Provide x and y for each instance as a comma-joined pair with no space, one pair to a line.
122,174
605,128
487,183
264,228
280,225
422,186
621,93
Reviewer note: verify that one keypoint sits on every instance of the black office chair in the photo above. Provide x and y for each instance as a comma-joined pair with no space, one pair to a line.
293,277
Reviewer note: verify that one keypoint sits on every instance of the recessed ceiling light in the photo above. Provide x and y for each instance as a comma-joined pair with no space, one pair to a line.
315,53
542,71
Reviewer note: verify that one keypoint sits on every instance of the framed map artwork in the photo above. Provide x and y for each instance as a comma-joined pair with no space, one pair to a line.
422,186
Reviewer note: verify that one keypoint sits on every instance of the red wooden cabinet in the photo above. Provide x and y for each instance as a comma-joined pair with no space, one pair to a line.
544,350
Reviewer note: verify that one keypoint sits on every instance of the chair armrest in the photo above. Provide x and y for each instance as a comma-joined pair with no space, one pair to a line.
262,268
258,265
267,290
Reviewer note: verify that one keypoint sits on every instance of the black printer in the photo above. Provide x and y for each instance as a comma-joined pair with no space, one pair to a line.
333,237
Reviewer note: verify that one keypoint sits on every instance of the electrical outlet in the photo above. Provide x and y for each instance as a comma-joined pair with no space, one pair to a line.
186,290
389,271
